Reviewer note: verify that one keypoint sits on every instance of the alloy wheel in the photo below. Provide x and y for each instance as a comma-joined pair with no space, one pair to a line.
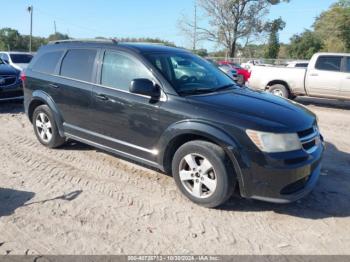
44,127
197,175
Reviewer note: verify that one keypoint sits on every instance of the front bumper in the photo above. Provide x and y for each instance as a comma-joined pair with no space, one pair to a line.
282,177
11,92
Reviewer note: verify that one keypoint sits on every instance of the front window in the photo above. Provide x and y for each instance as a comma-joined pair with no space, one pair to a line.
21,58
190,74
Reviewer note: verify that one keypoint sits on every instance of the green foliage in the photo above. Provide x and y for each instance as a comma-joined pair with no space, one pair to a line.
201,52
273,46
305,45
11,39
144,40
58,36
334,27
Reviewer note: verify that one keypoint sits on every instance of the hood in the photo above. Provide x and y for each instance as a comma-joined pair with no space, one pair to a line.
7,70
259,110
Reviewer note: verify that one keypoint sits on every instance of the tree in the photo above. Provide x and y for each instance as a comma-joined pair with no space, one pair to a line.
305,45
273,46
334,27
58,36
231,21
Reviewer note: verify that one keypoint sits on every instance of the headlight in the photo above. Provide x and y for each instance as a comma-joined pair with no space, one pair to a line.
274,143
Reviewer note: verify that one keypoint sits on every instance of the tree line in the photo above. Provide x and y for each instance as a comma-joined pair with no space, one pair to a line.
238,25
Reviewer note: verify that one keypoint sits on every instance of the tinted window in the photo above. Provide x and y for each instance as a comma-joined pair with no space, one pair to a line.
79,64
47,63
348,65
119,70
329,63
302,65
21,58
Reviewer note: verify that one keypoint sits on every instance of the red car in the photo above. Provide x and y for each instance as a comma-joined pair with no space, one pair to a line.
243,74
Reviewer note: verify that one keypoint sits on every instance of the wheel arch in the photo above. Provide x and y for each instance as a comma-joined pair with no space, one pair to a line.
180,133
41,98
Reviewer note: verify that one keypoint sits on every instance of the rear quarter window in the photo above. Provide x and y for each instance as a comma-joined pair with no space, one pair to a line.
47,62
78,64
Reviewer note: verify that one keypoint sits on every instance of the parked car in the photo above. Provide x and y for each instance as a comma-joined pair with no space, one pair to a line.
226,69
229,71
18,60
243,74
209,134
10,83
327,75
301,63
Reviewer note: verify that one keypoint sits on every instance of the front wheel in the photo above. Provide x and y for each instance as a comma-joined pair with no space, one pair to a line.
203,173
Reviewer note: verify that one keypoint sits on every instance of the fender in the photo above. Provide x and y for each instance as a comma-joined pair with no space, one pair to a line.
46,99
207,130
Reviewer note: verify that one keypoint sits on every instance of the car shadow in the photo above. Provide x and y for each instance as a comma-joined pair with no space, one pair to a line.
11,199
323,102
330,198
11,107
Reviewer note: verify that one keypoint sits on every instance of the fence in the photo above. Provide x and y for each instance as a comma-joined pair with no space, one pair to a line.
256,61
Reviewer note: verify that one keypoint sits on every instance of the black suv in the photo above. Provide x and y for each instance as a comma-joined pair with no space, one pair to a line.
170,109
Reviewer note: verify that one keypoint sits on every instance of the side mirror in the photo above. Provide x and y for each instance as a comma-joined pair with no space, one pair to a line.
144,87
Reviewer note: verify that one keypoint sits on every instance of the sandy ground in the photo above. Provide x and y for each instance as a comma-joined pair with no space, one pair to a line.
79,200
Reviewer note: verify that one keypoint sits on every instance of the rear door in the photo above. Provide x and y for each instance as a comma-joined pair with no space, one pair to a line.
345,82
325,78
73,88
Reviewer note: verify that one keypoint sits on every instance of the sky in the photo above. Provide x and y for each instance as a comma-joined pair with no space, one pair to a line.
135,18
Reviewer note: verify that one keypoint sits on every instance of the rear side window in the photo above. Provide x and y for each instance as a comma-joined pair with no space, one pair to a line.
329,63
301,65
78,64
47,63
21,58
119,70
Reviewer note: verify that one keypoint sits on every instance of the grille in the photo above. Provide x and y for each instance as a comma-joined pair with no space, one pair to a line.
7,80
310,139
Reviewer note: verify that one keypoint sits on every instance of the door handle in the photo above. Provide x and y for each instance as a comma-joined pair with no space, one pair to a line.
314,74
102,97
53,85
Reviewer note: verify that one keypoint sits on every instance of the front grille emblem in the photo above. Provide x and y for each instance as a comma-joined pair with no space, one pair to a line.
2,80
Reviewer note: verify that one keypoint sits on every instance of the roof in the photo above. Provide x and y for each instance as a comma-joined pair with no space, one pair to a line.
333,54
133,46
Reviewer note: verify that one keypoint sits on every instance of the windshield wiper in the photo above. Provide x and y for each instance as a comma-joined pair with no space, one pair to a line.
223,87
205,90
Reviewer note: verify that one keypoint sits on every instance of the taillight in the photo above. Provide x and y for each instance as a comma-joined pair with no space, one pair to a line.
23,76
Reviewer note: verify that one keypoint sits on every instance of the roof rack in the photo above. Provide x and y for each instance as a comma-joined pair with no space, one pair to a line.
84,40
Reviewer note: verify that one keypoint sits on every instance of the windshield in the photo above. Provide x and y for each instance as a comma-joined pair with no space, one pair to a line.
21,58
1,62
189,74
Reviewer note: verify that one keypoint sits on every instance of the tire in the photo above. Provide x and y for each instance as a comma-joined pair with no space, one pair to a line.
45,127
279,90
240,80
212,167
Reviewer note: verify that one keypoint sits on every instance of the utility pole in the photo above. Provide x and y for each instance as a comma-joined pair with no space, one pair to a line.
30,10
195,27
54,25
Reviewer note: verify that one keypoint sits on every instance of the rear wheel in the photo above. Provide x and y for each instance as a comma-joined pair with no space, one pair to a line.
279,90
45,127
203,173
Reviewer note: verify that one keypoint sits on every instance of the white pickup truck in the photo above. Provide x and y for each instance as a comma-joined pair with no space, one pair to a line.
327,75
